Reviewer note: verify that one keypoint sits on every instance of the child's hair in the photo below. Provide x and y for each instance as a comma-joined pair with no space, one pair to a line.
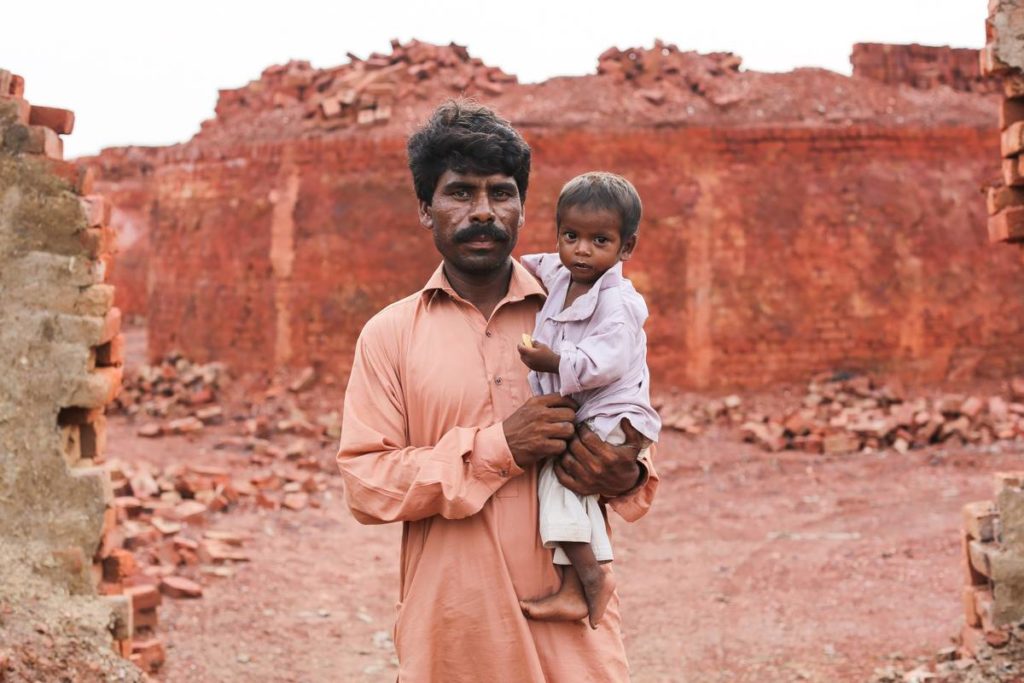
603,190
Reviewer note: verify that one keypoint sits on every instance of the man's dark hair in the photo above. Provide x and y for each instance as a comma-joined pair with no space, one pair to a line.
466,137
602,190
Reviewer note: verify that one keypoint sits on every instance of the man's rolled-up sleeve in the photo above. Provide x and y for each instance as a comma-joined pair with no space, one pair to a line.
635,503
386,479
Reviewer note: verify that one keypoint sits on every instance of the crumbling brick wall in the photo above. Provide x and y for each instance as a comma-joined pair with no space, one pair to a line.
794,223
61,354
922,66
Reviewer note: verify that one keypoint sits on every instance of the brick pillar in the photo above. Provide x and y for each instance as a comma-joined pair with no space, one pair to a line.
1003,56
60,354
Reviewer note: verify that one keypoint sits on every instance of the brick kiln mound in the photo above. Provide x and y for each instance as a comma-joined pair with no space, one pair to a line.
794,222
388,95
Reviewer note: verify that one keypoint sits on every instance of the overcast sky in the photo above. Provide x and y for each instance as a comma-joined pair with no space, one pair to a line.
140,72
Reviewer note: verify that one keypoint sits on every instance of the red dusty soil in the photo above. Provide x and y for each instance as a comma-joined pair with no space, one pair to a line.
751,567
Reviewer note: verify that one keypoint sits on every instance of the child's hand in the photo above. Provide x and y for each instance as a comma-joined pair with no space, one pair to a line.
539,357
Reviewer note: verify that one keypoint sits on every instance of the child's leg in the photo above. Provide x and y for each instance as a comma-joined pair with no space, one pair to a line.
598,584
586,589
569,603
570,523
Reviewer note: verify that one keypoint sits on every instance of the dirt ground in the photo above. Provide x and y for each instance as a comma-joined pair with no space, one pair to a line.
750,567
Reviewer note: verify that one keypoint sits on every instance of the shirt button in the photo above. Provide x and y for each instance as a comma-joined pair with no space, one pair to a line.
503,473
497,380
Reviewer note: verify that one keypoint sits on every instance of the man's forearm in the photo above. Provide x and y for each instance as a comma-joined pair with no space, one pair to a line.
453,479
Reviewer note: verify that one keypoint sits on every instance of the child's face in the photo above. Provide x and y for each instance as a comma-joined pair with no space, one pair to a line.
590,242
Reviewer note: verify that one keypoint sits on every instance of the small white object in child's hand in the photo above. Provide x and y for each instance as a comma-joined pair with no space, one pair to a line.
527,341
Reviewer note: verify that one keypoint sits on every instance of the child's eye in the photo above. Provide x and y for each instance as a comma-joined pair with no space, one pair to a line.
569,235
601,240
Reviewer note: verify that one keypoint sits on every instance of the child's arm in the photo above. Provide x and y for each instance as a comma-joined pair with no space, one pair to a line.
598,360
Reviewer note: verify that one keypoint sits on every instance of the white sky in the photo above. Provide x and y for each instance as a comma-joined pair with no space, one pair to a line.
138,72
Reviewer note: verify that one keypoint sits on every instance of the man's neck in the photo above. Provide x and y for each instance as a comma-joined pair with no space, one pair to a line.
483,290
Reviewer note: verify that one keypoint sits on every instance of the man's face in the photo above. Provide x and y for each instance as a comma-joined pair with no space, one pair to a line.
475,220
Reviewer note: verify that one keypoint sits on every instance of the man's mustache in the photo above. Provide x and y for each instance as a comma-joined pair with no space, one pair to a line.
484,230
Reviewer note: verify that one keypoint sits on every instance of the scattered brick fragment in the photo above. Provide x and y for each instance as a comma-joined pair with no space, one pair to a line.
180,587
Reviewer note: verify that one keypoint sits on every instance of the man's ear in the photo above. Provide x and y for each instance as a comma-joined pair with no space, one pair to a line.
627,248
426,220
522,214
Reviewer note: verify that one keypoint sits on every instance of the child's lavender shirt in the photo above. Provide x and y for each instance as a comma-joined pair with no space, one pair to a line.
602,345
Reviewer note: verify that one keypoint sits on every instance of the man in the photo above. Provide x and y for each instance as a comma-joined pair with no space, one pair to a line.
441,433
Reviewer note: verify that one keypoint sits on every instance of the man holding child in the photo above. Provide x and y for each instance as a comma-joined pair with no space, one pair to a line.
441,432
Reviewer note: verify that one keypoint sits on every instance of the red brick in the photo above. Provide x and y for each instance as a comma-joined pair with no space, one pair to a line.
60,121
111,354
1007,226
149,655
180,587
971,617
143,597
1011,172
1011,140
119,565
1002,197
1011,111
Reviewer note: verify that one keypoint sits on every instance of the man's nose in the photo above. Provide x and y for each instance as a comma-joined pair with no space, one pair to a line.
482,211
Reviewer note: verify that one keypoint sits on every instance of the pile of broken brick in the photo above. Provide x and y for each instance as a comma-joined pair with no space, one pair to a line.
364,91
663,70
841,414
158,543
175,388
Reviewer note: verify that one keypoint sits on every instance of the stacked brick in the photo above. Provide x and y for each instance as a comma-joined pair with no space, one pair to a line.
993,557
922,66
664,70
1002,57
363,92
60,347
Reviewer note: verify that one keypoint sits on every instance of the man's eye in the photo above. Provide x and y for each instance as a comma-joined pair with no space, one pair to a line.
502,194
460,194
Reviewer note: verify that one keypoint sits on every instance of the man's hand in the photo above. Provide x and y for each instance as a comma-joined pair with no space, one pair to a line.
540,428
539,357
591,466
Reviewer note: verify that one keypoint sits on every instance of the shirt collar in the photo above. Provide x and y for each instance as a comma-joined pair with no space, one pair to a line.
585,306
520,286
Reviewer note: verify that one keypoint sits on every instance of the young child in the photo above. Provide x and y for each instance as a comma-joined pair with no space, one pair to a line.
588,343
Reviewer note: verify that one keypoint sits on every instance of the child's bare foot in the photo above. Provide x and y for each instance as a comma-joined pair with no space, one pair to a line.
568,604
598,587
